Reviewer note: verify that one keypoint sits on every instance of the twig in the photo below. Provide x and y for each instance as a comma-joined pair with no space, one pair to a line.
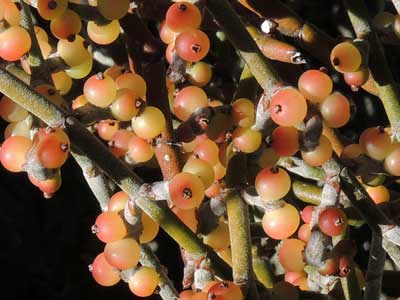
351,288
39,70
376,263
299,167
318,43
97,181
275,49
89,114
307,192
360,199
387,89
262,269
168,156
148,258
238,220
313,40
336,143
364,204
248,86
261,68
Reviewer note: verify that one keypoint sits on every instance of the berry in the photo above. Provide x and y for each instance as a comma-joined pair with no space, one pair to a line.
282,222
144,282
186,190
315,85
332,221
272,184
103,273
288,107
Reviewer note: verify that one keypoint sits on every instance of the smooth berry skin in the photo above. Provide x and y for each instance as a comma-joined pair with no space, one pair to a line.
288,107
332,221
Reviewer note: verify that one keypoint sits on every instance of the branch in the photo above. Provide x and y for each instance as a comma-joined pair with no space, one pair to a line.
275,49
387,89
129,182
148,258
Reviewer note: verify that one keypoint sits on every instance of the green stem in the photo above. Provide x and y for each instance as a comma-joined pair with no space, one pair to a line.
300,167
149,259
380,70
307,192
234,29
248,86
239,229
239,226
262,269
99,184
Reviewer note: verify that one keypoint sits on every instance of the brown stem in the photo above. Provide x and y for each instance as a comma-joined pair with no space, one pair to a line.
168,156
289,23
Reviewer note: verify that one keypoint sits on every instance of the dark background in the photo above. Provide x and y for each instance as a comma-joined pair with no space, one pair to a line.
46,245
